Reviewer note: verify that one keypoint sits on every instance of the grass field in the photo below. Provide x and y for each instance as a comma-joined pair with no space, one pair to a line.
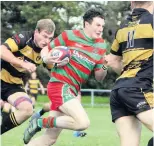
101,132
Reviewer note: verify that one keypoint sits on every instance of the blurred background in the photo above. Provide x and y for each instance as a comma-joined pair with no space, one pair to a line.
23,15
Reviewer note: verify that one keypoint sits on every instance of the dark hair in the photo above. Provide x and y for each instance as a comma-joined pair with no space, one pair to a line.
92,13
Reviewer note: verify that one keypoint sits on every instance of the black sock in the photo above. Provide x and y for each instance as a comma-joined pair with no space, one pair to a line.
150,143
42,112
8,122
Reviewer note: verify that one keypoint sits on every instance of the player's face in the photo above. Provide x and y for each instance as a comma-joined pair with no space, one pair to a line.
42,38
95,28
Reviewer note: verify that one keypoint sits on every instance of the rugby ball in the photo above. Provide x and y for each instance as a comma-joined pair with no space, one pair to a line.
62,53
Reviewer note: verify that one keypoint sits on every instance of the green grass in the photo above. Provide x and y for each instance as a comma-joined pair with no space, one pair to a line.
101,132
85,99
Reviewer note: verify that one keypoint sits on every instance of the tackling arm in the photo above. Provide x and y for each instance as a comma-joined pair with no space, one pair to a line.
8,56
115,62
100,74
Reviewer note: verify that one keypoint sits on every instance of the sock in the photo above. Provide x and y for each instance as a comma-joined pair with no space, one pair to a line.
41,112
49,122
150,143
8,122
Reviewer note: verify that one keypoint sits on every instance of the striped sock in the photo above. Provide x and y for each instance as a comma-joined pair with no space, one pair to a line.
8,122
49,122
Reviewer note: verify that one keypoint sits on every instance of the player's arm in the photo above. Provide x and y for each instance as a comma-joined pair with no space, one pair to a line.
100,69
46,51
114,59
79,96
100,74
46,56
14,44
42,88
8,56
115,62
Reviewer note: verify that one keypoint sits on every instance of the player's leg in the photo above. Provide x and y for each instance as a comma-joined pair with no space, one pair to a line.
128,126
151,142
22,103
76,118
38,114
79,133
62,98
129,130
146,115
50,136
32,96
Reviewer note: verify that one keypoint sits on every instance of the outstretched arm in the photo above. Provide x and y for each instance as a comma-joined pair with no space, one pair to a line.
115,62
100,74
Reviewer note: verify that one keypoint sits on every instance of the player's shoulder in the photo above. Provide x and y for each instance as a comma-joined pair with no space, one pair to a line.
147,18
22,37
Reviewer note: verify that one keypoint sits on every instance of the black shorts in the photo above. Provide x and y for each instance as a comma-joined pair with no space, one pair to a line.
9,89
130,101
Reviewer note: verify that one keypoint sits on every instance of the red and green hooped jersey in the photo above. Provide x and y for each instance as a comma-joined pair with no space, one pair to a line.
86,56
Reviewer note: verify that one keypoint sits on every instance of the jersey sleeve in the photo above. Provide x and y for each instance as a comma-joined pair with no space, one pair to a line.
115,48
16,42
61,40
100,62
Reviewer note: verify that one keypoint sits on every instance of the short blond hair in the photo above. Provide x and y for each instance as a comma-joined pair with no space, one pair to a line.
141,3
46,24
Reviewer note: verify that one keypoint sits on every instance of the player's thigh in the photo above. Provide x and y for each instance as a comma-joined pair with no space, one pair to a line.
20,100
146,115
129,130
147,118
74,109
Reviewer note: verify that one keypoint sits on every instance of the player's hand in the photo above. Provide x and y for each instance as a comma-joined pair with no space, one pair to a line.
50,59
30,67
107,59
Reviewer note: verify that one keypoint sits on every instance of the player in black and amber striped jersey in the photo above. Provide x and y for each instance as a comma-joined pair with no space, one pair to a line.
132,54
19,54
33,84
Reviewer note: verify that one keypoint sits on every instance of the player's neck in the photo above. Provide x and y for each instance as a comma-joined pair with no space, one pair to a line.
148,7
86,33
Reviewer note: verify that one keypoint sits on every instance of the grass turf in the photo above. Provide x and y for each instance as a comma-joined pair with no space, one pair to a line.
101,132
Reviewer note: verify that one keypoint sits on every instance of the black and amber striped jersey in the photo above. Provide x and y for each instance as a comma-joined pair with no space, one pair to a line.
33,85
134,42
22,46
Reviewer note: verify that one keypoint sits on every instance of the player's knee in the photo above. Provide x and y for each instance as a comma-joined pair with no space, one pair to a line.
82,125
26,108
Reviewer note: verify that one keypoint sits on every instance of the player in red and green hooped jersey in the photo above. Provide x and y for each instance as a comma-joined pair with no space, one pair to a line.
88,50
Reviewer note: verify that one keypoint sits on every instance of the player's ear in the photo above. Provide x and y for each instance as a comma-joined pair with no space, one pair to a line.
36,31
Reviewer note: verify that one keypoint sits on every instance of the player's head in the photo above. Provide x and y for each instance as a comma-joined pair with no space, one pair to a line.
44,32
149,5
93,21
33,75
